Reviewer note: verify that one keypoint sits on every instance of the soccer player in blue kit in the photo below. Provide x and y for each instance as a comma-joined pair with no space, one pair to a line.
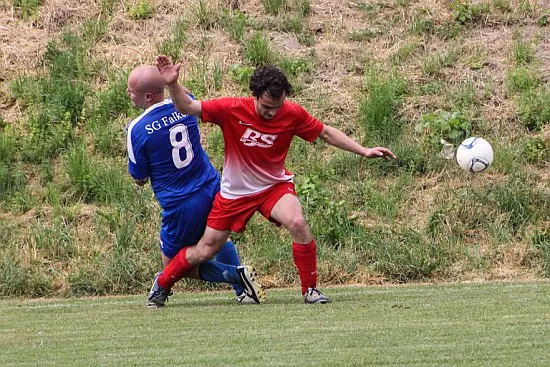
164,146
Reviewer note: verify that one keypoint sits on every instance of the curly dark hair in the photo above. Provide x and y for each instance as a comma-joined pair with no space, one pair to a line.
269,78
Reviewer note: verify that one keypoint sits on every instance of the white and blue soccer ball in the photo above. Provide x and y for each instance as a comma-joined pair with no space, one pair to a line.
474,154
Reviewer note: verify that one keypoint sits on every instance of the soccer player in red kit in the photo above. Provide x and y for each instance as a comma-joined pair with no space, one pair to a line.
257,132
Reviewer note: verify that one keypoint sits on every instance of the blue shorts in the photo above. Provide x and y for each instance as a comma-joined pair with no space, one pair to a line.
184,224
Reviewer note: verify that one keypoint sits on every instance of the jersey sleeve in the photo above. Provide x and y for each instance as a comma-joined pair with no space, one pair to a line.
308,128
137,162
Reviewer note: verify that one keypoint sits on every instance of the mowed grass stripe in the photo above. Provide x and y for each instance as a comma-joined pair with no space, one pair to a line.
499,324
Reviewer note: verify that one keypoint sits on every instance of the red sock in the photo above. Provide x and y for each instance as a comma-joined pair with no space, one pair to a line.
177,268
305,258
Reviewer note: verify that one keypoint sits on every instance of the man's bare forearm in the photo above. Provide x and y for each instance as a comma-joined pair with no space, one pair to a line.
180,97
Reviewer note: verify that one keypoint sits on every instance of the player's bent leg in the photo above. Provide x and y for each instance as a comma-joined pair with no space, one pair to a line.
288,211
209,245
229,255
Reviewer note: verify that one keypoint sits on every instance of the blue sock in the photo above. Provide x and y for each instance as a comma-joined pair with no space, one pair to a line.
217,272
228,255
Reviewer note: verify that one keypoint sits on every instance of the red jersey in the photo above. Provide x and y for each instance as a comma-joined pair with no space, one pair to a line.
256,148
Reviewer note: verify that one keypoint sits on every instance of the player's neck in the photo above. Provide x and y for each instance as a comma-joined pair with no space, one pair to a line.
153,102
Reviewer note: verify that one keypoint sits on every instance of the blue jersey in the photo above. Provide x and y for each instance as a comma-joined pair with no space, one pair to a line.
164,145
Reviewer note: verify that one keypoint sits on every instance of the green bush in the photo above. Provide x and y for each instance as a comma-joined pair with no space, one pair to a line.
434,126
142,9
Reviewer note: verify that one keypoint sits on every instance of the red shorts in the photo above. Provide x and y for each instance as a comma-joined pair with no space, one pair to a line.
234,214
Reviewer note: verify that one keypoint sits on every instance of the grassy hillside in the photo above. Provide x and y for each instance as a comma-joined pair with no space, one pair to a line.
403,74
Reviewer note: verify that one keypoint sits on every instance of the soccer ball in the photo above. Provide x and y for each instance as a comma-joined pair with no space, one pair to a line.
474,154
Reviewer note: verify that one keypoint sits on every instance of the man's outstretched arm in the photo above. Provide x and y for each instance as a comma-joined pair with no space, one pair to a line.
178,93
337,138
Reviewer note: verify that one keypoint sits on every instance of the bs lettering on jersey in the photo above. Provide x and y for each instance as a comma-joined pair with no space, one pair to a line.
164,144
253,138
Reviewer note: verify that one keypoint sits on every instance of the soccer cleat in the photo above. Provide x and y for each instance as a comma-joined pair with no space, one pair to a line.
245,299
252,288
157,295
313,295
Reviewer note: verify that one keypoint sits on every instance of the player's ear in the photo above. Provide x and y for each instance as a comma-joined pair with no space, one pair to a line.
148,96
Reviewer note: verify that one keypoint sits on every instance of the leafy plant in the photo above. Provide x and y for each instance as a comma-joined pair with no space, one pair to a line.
465,96
434,126
142,9
296,66
464,12
241,74
543,21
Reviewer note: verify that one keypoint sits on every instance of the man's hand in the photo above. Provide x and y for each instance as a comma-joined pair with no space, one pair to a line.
168,70
379,152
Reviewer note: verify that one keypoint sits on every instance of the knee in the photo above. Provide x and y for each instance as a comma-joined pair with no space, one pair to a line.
207,250
204,253
298,226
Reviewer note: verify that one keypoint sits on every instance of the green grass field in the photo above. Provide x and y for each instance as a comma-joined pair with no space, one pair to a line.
477,324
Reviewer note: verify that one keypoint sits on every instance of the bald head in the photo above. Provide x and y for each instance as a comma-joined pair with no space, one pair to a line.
145,86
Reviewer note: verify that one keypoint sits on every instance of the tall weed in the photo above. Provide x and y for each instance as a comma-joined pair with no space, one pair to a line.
379,108
173,45
257,50
534,108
